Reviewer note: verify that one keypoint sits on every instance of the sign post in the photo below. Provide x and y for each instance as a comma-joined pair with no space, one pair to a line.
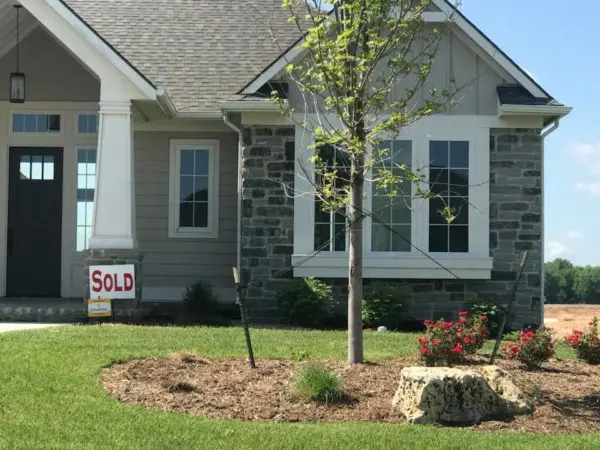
240,302
109,283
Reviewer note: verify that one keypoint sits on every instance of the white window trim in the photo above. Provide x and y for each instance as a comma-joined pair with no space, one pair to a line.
79,147
76,123
212,230
476,264
50,134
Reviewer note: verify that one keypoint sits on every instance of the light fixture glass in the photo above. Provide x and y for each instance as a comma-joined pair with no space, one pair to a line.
17,79
17,87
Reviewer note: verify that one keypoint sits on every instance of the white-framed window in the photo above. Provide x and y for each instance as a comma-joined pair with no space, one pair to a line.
405,235
391,207
193,188
86,189
87,123
35,122
449,181
330,229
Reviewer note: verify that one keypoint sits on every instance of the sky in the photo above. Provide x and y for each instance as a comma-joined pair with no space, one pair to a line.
556,42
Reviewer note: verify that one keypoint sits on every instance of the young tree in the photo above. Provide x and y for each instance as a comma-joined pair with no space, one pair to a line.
364,75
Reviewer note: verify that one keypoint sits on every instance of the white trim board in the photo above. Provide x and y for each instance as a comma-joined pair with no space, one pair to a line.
493,51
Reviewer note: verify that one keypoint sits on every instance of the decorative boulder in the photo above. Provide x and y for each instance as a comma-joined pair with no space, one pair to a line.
428,395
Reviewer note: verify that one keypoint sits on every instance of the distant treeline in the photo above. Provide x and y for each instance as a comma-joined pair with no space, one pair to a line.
567,283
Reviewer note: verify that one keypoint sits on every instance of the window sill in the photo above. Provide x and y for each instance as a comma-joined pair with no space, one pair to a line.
195,234
409,266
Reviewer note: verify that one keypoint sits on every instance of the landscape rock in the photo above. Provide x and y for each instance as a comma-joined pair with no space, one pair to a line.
430,395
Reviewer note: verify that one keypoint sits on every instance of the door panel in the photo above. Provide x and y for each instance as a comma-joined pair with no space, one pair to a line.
34,232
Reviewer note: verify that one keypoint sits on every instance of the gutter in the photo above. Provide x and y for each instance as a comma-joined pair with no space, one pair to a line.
165,103
533,110
545,134
240,134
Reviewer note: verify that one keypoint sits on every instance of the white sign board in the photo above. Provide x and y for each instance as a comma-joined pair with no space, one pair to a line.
112,282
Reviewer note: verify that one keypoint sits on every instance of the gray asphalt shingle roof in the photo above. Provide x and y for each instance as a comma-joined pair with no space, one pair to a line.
200,51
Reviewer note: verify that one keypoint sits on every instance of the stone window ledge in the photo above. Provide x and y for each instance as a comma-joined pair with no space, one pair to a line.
394,266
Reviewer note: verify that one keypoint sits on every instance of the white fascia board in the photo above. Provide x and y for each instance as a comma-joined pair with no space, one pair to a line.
291,55
477,36
57,18
533,110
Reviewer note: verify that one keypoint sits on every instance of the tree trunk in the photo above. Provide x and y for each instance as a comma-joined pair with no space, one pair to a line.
355,273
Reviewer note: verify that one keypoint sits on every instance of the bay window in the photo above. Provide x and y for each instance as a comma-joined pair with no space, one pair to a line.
405,236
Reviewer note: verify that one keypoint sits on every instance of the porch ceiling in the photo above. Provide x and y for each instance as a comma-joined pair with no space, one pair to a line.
8,25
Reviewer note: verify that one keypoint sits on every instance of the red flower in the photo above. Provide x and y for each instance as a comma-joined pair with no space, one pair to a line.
484,318
462,320
447,324
427,322
468,341
577,332
435,342
457,349
424,351
423,340
463,313
590,323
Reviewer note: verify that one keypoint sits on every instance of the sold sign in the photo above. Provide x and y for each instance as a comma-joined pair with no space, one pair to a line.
113,282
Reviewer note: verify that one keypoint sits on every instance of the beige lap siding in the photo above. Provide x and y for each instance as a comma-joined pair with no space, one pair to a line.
172,264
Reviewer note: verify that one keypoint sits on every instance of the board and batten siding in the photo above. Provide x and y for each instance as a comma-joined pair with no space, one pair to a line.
53,74
172,264
475,79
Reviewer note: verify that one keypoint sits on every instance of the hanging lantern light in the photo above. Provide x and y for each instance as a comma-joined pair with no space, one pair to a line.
17,79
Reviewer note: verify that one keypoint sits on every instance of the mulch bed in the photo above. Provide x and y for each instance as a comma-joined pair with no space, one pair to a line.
566,394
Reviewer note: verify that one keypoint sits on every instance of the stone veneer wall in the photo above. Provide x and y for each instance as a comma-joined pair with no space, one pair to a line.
515,225
267,216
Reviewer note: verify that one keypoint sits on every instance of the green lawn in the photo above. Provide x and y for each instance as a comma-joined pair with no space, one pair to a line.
51,397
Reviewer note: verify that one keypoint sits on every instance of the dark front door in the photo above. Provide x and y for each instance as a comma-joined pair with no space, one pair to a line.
34,222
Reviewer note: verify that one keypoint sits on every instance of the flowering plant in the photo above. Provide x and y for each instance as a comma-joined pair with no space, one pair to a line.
586,343
532,349
447,343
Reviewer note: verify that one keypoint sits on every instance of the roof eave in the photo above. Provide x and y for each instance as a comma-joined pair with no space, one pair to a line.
534,110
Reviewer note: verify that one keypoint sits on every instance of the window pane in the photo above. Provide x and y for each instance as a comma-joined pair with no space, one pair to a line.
438,181
42,123
340,237
380,238
48,167
200,215
460,207
53,122
322,236
401,213
93,123
320,215
201,162
82,123
30,123
459,154
382,208
36,167
18,122
186,188
438,238
459,239
81,238
436,209
402,153
187,162
186,214
401,238
459,182
25,167
438,154
201,189
82,213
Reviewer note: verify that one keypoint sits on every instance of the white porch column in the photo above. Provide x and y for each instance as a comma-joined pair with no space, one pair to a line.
114,212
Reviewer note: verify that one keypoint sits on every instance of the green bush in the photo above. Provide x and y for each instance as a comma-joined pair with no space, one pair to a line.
383,304
200,303
317,384
304,302
494,312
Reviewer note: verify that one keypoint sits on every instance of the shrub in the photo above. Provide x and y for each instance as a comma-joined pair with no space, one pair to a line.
447,343
200,302
304,301
493,311
586,343
383,304
317,384
533,348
